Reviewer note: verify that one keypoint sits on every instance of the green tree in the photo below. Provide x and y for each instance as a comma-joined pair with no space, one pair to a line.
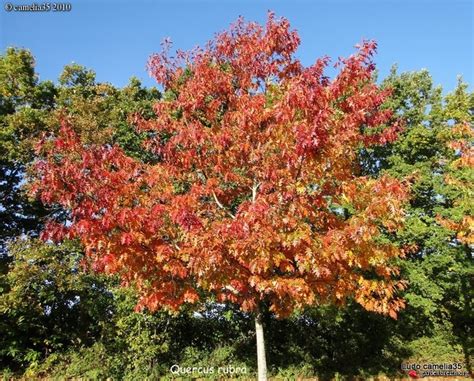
102,113
440,266
24,107
48,301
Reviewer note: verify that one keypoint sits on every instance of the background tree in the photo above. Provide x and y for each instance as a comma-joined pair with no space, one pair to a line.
24,105
436,149
254,197
48,302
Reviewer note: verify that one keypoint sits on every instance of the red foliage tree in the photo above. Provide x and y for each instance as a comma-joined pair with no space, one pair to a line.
256,194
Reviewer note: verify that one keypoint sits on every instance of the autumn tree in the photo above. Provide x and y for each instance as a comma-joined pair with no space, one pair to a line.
253,195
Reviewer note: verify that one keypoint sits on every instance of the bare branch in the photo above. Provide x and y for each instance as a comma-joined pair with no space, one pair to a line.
231,289
254,191
299,168
219,204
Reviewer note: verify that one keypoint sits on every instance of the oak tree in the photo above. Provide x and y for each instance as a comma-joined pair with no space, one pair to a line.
253,195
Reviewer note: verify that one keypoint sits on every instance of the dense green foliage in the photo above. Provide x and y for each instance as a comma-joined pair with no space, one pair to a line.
59,319
440,269
25,104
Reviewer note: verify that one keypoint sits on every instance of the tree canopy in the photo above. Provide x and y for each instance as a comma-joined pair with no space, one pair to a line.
254,196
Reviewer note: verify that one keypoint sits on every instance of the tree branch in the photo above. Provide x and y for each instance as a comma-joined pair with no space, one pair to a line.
299,168
254,191
219,204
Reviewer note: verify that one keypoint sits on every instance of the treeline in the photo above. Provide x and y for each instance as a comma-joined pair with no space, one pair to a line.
60,319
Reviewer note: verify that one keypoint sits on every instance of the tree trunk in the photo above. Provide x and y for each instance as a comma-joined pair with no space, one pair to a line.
261,359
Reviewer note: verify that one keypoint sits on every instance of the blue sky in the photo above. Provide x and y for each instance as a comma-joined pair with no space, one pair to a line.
115,38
